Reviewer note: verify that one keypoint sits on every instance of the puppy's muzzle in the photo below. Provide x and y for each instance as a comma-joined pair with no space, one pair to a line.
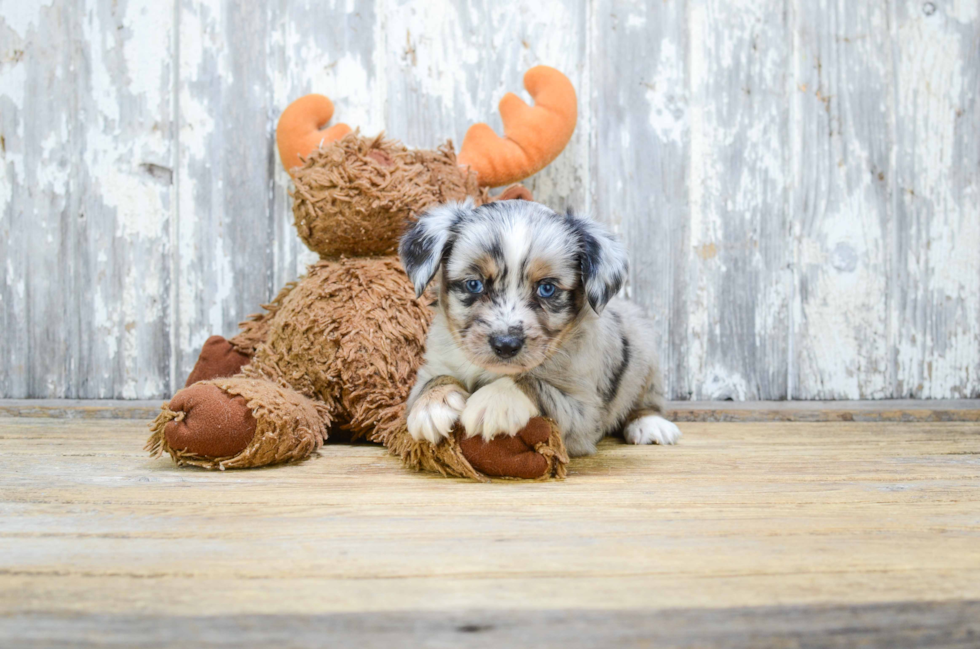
507,345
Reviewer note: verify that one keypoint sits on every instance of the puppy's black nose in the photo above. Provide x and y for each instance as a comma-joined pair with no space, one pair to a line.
506,346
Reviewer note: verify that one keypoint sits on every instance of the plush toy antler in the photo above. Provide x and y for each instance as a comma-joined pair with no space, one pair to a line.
533,137
298,133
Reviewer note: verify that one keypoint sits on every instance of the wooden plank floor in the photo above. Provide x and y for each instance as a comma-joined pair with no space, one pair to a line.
745,534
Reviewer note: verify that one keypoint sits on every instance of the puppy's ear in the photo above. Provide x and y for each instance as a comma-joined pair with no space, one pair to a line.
603,261
422,247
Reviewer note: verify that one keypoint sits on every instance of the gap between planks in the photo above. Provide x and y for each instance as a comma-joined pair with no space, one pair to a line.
908,410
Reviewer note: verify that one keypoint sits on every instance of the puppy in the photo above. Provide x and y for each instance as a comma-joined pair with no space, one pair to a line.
527,324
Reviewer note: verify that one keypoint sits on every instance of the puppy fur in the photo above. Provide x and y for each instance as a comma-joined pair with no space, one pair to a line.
544,334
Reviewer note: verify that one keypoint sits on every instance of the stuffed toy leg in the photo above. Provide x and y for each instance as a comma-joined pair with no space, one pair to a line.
237,422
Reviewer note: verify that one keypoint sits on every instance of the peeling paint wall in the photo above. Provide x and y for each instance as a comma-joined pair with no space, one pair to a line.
797,180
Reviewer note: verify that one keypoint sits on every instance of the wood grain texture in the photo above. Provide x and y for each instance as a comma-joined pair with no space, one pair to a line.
640,111
797,181
842,209
224,263
818,523
740,279
87,149
37,217
908,625
935,281
895,410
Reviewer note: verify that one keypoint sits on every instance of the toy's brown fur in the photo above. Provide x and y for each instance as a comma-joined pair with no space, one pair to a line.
371,188
338,350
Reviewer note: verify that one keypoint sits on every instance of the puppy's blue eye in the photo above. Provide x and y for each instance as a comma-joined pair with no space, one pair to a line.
547,290
474,286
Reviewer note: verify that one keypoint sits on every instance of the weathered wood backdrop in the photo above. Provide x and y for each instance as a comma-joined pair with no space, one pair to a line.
797,179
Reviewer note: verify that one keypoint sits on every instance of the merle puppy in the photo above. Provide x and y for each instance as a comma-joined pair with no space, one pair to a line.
527,323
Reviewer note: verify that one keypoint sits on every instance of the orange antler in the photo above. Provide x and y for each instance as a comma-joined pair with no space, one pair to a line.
298,133
533,137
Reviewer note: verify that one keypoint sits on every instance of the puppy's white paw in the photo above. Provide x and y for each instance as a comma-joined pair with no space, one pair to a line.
436,412
500,408
652,429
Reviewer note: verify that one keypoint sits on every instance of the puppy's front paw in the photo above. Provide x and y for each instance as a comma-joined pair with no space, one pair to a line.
500,408
436,412
652,429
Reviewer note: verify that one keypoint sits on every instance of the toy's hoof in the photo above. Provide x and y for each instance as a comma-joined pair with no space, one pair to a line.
210,422
218,359
536,451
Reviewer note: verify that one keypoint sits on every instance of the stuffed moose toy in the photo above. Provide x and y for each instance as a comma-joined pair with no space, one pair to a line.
336,352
